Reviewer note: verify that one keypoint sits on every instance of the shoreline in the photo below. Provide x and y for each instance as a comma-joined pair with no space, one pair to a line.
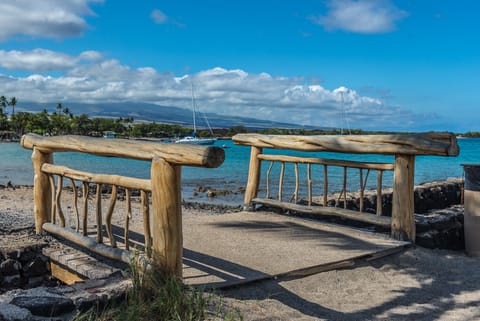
426,192
201,193
398,287
439,213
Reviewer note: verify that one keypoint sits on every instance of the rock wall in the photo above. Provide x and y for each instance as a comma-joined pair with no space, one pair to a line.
427,197
438,212
23,268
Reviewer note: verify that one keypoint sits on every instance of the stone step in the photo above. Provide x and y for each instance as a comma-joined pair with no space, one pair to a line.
70,265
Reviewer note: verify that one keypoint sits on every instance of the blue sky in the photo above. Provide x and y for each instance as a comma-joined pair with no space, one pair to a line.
410,65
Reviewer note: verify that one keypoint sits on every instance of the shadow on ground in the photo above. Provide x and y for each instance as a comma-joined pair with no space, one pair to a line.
416,285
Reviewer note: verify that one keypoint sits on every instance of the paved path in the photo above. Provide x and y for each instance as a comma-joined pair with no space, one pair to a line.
229,249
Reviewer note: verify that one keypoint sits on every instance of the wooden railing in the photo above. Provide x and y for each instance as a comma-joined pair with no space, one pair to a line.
163,235
403,147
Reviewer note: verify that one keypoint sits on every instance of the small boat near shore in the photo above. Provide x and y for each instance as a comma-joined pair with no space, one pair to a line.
193,137
196,140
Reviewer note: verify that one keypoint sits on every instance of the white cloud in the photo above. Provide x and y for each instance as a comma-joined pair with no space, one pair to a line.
39,60
35,60
158,16
90,78
90,55
45,18
361,16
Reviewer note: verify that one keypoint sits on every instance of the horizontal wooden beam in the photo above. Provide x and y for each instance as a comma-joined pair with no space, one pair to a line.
329,211
178,154
439,144
90,243
123,181
326,161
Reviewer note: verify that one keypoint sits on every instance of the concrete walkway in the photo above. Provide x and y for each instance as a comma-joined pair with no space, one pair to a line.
231,249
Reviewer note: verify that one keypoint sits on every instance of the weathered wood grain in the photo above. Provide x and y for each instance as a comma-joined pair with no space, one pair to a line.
167,238
42,205
330,211
124,181
403,222
181,154
434,143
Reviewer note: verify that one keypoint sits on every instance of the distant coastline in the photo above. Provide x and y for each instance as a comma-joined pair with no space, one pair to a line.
9,136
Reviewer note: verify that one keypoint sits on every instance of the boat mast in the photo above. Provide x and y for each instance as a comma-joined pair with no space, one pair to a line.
344,117
193,110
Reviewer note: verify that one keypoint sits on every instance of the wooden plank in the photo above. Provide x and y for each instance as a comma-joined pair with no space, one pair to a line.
63,274
89,243
348,263
320,268
434,143
107,179
326,161
181,154
403,222
330,211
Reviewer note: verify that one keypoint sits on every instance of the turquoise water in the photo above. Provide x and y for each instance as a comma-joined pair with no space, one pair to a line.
16,166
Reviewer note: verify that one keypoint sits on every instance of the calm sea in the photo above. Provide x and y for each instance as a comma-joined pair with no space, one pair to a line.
16,166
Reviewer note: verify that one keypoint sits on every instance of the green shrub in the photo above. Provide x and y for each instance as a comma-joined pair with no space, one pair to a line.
158,296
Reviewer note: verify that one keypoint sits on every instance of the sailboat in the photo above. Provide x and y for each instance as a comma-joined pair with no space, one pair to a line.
193,138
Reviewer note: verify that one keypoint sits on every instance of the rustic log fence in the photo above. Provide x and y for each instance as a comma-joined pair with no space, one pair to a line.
403,147
163,234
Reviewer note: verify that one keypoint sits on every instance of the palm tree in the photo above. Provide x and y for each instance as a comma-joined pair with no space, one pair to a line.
3,103
13,101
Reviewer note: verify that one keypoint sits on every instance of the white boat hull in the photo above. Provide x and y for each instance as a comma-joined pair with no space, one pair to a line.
196,141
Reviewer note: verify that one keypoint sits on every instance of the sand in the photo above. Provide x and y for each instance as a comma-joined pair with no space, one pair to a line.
418,284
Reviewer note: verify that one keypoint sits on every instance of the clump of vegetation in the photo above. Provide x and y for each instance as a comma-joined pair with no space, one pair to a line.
158,296
471,134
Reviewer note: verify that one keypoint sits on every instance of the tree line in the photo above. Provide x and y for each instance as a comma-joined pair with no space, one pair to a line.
63,122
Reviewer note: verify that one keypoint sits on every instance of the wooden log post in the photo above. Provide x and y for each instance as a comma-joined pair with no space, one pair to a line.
42,191
254,168
403,223
167,216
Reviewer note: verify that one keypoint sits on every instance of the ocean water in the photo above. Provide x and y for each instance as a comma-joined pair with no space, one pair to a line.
16,166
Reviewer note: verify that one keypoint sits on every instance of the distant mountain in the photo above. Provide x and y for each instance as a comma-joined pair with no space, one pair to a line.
157,113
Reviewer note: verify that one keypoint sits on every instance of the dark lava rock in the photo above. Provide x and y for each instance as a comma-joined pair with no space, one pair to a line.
441,229
46,306
26,256
36,267
10,267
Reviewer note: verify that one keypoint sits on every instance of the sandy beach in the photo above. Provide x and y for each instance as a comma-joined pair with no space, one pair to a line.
418,284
